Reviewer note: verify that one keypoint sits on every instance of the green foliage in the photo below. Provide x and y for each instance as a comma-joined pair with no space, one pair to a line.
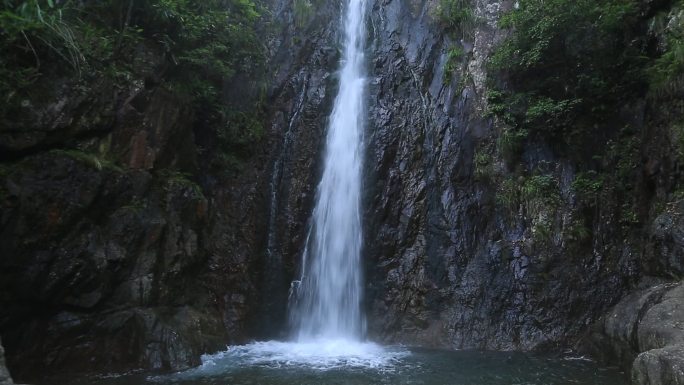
205,42
588,186
238,131
548,112
508,193
578,231
666,72
628,215
538,196
203,45
541,197
542,229
457,16
540,189
623,154
677,132
569,65
208,41
175,178
454,56
136,207
510,143
36,24
31,32
303,12
96,161
483,163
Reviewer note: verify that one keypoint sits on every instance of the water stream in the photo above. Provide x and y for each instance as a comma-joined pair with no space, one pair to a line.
329,293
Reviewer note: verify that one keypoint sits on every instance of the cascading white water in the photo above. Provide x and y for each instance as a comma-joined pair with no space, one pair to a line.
329,292
325,304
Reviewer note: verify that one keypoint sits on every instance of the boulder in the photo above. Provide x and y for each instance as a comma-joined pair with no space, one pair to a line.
645,334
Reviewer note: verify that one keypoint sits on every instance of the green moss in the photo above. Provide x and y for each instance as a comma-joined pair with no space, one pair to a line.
541,190
666,73
508,194
458,16
588,186
623,154
136,206
578,231
510,143
677,134
203,45
303,12
96,161
175,178
542,230
629,216
483,163
454,55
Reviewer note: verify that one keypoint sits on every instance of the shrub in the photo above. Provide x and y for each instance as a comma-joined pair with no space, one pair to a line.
587,186
203,45
569,64
666,72
457,16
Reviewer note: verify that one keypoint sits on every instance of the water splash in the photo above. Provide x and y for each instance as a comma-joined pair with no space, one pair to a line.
329,293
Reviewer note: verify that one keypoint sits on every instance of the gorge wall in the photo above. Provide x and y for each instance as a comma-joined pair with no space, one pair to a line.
124,247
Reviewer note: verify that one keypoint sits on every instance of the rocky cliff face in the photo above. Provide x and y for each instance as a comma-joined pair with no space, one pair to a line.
113,257
124,245
448,263
117,252
123,248
448,266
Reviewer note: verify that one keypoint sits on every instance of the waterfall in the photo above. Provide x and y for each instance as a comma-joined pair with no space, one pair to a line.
328,296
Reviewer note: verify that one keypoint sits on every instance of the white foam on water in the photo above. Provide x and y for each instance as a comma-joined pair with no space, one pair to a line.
319,355
316,355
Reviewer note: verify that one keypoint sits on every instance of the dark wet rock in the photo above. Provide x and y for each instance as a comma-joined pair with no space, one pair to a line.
123,247
660,366
99,268
305,60
667,252
448,266
5,378
645,333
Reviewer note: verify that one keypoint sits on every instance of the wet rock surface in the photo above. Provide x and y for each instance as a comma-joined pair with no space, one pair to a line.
645,333
5,378
124,247
305,58
448,266
106,265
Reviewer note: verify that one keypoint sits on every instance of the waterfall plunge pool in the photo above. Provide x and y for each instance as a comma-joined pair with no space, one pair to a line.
352,363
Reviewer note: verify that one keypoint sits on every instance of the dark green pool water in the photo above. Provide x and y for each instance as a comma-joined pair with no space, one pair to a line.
274,363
